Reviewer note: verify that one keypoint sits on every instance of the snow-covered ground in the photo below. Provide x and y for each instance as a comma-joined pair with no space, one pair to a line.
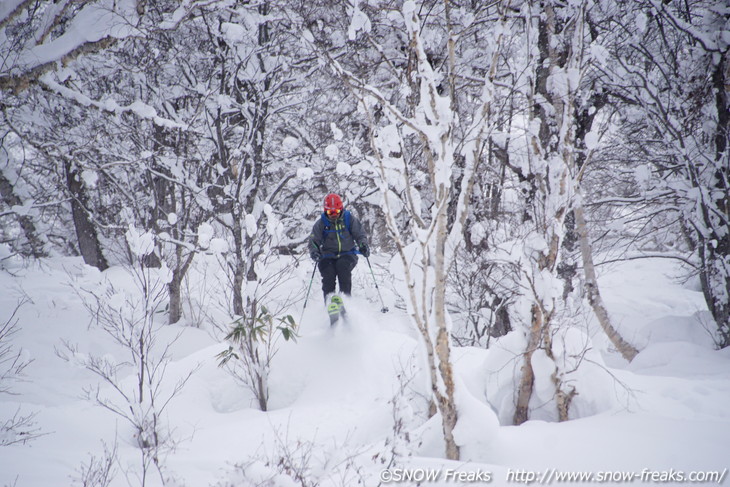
335,406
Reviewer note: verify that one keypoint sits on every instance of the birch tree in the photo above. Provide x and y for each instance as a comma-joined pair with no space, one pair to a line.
672,75
34,242
414,139
256,98
559,144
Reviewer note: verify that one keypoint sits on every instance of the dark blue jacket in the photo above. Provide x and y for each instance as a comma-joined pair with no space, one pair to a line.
331,238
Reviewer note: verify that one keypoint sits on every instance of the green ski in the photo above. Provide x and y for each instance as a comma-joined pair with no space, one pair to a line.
335,309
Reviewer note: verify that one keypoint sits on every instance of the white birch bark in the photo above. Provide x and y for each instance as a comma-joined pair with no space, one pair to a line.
593,293
559,74
428,252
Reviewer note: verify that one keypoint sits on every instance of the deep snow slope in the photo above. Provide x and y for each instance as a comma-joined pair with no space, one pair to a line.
343,400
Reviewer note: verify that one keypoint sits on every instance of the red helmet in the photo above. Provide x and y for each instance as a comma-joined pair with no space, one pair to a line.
333,205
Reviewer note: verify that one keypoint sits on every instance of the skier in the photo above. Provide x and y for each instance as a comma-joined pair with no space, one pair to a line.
337,237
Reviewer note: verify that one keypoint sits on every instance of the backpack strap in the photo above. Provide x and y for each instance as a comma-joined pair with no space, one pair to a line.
328,224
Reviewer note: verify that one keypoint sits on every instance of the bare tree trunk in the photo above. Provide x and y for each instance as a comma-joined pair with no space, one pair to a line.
446,399
174,288
88,239
563,399
716,285
627,350
263,393
35,241
239,266
527,380
446,402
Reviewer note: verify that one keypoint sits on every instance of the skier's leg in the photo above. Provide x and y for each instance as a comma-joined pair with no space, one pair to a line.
329,274
345,265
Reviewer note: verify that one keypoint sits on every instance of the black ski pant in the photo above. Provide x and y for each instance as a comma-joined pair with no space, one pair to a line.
337,269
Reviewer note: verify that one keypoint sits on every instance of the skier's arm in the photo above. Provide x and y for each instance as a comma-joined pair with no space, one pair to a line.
315,239
357,231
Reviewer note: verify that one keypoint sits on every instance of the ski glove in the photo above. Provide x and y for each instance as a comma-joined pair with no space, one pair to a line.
315,255
365,250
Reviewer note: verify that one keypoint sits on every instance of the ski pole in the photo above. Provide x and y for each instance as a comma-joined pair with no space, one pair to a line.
384,309
311,280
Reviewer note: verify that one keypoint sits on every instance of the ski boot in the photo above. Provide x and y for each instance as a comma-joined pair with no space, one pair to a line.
335,309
